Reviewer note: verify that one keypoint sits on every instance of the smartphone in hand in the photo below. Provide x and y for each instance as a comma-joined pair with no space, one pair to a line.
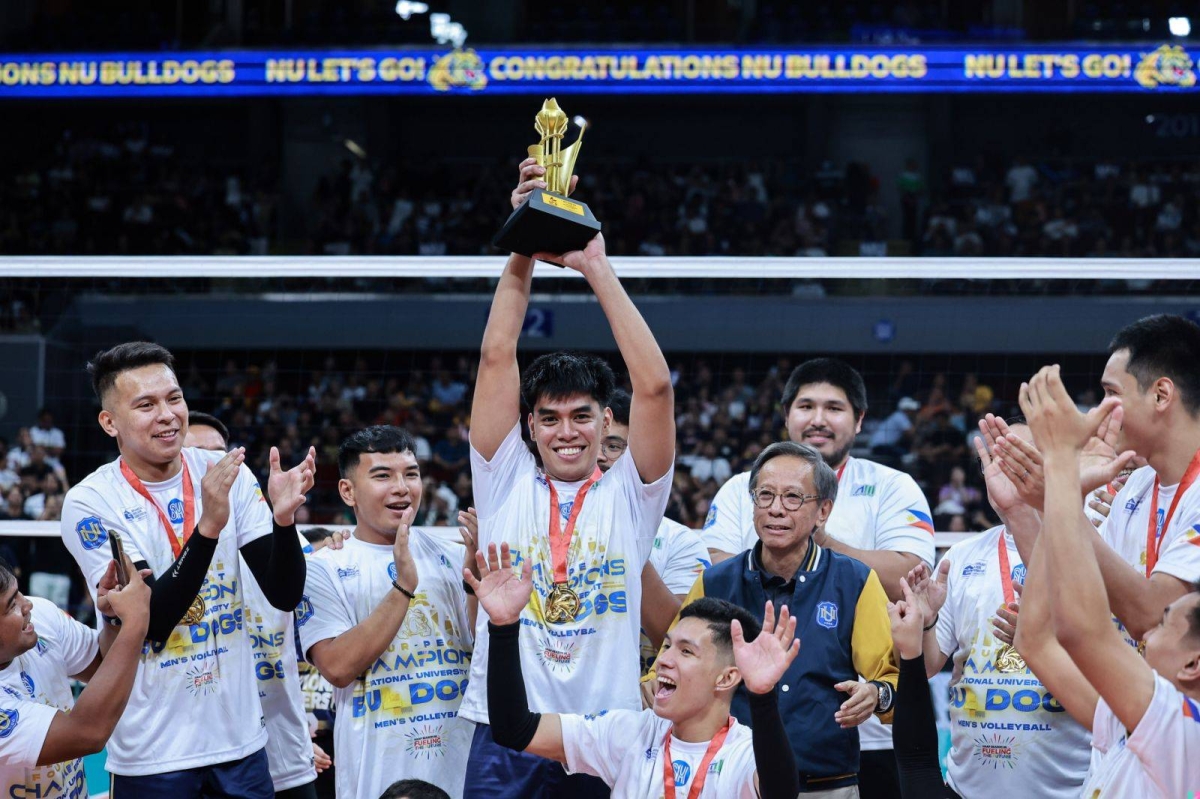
118,553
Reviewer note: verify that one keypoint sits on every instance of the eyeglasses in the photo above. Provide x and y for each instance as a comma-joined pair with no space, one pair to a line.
765,498
614,449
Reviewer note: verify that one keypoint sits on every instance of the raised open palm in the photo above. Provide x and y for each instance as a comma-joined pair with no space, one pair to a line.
764,660
928,590
501,592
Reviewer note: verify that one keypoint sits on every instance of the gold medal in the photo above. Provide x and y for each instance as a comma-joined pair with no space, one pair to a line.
195,613
1009,660
1141,648
562,605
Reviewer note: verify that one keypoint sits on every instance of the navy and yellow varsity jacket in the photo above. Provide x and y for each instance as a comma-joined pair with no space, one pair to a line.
844,632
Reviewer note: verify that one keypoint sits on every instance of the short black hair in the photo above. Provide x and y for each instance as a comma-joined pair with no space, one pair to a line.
315,535
208,420
1163,345
558,375
413,789
619,403
826,370
718,614
382,438
109,363
7,578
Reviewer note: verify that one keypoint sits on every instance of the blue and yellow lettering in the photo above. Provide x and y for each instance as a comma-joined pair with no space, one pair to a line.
997,699
269,671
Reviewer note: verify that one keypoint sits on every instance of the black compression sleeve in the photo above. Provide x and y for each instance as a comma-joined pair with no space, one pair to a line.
278,565
513,725
914,731
778,776
173,591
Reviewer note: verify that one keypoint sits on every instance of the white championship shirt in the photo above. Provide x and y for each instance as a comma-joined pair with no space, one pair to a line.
273,642
33,688
1128,523
1009,736
625,749
195,699
877,507
400,720
613,537
1160,759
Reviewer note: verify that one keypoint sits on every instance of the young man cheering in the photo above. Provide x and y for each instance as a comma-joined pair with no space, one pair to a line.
587,536
384,619
688,744
194,724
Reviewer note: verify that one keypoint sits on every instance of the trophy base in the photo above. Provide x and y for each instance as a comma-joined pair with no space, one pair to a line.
547,222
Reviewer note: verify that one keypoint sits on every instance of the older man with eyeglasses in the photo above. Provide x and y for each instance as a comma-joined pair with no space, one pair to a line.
841,613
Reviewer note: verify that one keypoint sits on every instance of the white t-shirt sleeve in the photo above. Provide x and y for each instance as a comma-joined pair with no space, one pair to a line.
1181,556
23,729
687,557
493,480
648,500
85,524
725,527
904,523
1167,740
592,744
250,507
323,613
75,643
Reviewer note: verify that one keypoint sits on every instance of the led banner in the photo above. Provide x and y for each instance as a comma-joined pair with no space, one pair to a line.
1148,68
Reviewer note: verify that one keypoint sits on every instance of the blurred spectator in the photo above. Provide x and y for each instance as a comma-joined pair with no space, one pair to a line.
46,435
46,505
893,438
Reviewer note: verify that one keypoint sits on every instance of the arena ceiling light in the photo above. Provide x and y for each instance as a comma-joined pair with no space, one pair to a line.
1180,26
406,9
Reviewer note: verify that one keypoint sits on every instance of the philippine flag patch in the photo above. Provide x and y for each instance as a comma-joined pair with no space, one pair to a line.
920,520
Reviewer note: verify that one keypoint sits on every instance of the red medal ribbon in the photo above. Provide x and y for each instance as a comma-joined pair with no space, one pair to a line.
841,469
1153,538
189,505
714,746
560,540
1005,571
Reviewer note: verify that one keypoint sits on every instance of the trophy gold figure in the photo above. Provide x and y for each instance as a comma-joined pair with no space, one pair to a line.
548,221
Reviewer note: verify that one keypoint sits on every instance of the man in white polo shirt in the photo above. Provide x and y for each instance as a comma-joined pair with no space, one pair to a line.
1146,722
194,725
588,535
881,517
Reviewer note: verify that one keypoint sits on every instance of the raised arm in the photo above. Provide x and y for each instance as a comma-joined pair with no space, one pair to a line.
497,403
277,561
1080,605
86,729
503,595
652,410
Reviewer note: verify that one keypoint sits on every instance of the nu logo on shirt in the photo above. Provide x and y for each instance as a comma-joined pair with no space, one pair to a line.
304,611
91,532
827,615
8,722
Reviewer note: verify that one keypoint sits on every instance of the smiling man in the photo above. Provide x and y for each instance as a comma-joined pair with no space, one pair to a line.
194,724
840,608
687,743
587,535
881,517
384,619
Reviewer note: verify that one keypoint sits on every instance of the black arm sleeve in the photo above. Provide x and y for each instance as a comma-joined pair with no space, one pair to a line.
278,565
173,591
513,725
778,776
915,734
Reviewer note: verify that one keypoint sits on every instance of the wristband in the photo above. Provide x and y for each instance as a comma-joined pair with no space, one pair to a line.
932,624
403,590
112,620
886,696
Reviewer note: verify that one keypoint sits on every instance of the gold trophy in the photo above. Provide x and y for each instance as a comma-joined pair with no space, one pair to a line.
548,221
